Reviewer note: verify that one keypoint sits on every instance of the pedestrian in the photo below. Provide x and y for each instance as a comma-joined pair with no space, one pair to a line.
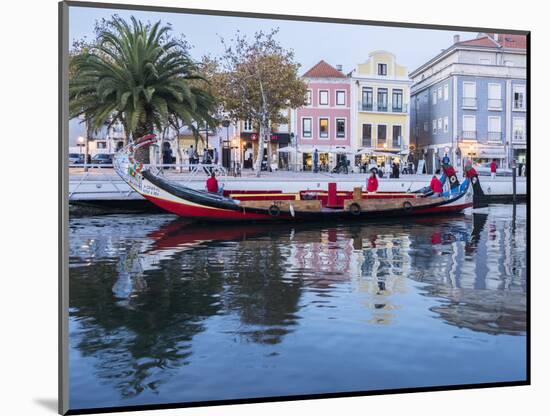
372,183
493,167
166,155
316,161
523,169
395,170
435,186
446,159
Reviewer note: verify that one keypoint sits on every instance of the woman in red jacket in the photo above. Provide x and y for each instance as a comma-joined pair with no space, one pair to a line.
436,186
372,183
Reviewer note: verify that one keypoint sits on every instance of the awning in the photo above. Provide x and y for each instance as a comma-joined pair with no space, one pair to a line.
288,149
367,151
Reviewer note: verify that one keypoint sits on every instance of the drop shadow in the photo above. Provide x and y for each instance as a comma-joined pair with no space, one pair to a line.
49,404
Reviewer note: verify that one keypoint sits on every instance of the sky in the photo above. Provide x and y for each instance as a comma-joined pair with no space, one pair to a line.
337,44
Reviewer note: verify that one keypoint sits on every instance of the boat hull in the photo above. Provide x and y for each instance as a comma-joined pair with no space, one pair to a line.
204,206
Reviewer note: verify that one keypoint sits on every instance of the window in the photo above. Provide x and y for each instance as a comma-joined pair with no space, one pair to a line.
518,128
494,132
366,99
323,128
102,145
469,127
340,98
439,123
382,69
367,135
396,136
397,101
308,97
340,127
247,125
434,97
381,138
494,97
425,126
469,94
439,93
306,127
434,126
519,97
446,92
323,97
446,124
382,99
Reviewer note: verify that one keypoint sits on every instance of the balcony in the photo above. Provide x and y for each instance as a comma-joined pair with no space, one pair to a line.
494,104
469,134
365,106
469,102
519,105
401,109
494,136
519,136
366,142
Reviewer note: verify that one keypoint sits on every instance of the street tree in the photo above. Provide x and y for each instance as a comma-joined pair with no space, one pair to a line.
139,74
258,79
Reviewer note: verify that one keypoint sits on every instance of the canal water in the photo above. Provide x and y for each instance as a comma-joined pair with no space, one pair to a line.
165,311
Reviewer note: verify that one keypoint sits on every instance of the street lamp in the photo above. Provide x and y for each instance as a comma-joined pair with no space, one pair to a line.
80,141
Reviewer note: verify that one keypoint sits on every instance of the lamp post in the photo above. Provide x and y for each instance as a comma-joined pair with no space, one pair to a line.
234,146
80,143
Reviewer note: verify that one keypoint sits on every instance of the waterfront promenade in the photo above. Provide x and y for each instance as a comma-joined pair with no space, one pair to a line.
104,184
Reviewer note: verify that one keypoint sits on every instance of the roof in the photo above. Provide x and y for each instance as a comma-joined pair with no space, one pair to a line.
323,70
481,41
512,41
495,40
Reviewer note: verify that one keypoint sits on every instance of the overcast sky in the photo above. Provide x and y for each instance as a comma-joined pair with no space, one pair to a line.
342,44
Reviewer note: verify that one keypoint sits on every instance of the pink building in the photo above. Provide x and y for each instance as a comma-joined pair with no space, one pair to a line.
324,122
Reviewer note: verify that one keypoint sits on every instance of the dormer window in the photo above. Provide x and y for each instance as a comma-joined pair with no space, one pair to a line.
382,69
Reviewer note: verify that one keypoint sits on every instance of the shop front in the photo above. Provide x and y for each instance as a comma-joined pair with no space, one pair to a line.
271,157
482,153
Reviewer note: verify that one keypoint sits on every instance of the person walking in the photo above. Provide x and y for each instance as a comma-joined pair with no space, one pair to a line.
493,167
436,186
372,182
167,155
316,161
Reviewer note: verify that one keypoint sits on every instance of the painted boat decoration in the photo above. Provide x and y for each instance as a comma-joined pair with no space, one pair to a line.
276,205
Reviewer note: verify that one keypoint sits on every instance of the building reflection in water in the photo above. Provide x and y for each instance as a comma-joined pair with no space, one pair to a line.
142,289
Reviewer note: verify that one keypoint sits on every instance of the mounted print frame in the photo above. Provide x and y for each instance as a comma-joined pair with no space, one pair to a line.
260,208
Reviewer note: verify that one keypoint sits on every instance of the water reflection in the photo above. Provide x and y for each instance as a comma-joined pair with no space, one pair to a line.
142,289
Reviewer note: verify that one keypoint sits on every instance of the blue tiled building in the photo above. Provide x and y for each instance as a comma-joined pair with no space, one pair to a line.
470,102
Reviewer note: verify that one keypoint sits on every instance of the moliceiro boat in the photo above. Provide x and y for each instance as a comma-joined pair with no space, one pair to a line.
246,205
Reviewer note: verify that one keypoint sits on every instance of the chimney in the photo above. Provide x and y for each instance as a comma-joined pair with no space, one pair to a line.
456,38
339,68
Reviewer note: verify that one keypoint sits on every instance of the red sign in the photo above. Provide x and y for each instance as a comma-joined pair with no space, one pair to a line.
253,137
274,137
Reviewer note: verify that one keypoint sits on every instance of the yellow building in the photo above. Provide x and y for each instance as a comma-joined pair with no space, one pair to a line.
380,94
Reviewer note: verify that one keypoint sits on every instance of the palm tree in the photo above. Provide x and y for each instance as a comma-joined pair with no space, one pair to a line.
137,73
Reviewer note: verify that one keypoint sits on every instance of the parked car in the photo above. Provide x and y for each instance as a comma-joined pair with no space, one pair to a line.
102,159
484,169
76,158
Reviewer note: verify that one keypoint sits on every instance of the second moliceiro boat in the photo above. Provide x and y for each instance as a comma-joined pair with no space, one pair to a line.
245,205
